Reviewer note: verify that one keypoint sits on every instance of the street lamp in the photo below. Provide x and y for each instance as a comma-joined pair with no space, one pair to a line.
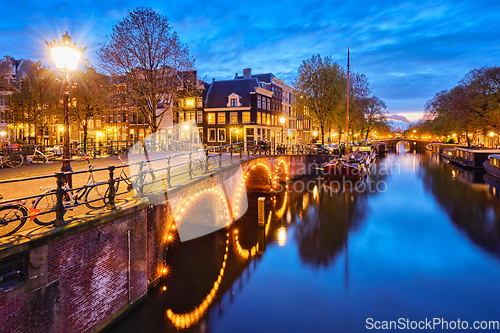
282,121
66,55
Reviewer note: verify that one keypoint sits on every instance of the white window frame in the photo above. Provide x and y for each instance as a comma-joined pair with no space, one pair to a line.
218,119
208,134
219,131
199,117
231,117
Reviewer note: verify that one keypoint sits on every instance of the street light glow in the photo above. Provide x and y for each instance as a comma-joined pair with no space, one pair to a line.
66,55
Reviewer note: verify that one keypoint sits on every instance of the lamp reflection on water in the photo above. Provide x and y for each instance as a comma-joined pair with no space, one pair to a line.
281,236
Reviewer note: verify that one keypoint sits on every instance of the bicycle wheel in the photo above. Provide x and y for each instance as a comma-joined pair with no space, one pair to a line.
14,160
44,207
149,179
37,158
95,198
197,167
211,163
12,218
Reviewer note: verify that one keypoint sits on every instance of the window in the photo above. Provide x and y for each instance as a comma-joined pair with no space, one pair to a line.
189,102
250,131
258,102
246,117
268,122
211,135
268,104
222,135
258,117
199,116
189,115
234,117
199,102
211,118
222,118
234,102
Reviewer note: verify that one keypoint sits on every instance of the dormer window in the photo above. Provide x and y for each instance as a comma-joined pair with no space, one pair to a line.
233,100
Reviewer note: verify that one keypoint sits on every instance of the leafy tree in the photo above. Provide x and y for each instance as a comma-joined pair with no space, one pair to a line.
36,102
321,85
145,50
89,98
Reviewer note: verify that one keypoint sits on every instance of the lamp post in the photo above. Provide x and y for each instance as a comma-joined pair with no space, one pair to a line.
282,121
66,55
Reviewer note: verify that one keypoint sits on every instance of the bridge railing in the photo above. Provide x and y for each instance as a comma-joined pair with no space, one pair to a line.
151,174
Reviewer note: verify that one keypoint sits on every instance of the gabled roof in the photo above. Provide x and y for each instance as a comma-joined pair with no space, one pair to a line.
267,77
219,91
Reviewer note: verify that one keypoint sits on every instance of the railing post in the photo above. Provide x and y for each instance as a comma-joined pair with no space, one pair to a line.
220,157
241,152
111,189
168,171
59,203
190,169
139,175
206,159
231,152
248,149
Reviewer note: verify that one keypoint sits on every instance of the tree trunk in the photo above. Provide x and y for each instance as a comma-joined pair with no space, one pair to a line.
85,137
322,134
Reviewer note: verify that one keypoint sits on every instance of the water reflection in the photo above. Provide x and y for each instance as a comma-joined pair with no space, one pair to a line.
466,199
326,260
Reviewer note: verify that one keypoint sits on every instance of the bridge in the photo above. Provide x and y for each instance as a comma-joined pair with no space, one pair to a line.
414,144
94,267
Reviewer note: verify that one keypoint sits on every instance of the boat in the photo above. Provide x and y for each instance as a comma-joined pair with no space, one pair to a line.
352,165
492,165
472,157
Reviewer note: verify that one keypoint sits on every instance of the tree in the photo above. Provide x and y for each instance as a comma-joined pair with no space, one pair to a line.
36,102
145,50
321,85
89,98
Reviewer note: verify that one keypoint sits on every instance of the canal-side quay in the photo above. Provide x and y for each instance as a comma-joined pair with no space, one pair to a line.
83,275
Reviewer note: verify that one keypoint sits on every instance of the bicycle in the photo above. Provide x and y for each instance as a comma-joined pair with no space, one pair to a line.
12,159
39,156
147,180
92,193
12,217
202,164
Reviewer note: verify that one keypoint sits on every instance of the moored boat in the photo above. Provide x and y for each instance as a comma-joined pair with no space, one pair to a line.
492,165
353,165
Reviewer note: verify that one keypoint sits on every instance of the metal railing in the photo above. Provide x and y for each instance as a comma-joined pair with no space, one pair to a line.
153,175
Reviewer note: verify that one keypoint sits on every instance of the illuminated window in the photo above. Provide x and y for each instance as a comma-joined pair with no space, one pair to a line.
211,118
222,118
199,102
246,117
190,102
199,117
234,117
258,117
222,135
211,134
268,119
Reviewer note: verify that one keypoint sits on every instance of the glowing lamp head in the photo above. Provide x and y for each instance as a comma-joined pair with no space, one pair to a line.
186,127
66,54
282,120
315,133
491,134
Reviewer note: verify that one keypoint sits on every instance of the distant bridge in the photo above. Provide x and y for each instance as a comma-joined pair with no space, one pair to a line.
415,144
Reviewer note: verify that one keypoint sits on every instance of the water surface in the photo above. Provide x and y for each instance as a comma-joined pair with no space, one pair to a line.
425,245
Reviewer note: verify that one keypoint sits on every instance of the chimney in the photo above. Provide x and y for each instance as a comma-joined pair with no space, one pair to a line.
247,72
213,79
235,75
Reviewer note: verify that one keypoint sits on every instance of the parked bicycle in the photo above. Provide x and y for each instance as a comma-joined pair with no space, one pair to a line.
11,158
134,182
12,217
91,194
39,157
202,164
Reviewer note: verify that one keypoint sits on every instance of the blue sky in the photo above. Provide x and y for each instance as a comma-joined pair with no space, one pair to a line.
408,50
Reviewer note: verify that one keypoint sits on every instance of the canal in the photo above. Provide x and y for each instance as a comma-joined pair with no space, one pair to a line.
420,240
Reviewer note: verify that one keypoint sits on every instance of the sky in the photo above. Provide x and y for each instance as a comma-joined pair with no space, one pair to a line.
409,51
